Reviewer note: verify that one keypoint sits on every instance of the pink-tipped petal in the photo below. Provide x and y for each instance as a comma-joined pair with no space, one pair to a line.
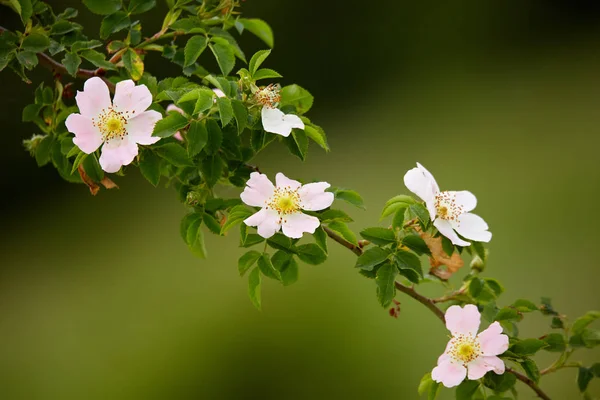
478,368
219,92
463,320
275,121
140,128
445,229
87,137
178,136
258,190
131,98
266,221
449,374
294,225
472,227
94,98
173,107
283,181
313,196
492,341
117,153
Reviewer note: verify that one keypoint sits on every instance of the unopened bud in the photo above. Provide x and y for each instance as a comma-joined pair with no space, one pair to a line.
193,198
32,144
477,264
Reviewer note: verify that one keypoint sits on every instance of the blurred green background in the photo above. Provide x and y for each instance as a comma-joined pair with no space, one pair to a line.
100,299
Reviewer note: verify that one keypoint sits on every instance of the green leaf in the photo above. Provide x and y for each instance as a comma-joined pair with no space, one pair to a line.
114,23
297,142
396,203
379,236
224,55
349,196
287,266
467,389
169,125
316,134
97,59
205,101
343,230
211,223
475,287
225,110
43,151
281,242
27,59
531,369
266,73
507,314
254,287
240,113
523,305
25,9
311,254
197,137
186,221
260,28
371,258
416,244
425,384
150,167
294,95
71,61
236,215
596,370
499,383
321,238
557,323
589,338
333,215
140,6
212,169
555,342
215,136
584,376
419,211
173,153
257,59
386,277
92,168
249,240
193,48
409,265
582,322
78,160
527,347
447,246
31,112
35,42
195,237
266,267
103,7
133,64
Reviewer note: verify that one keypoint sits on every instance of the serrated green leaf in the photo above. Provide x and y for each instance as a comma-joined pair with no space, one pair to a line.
173,153
97,58
240,113
257,59
140,6
259,28
316,134
555,342
582,322
225,110
224,55
215,137
467,389
266,267
197,137
103,7
254,287
584,376
385,280
247,261
379,236
409,265
266,73
35,42
321,238
332,214
71,62
349,196
416,244
296,96
371,258
195,238
92,168
343,230
528,347
27,59
133,64
31,112
150,167
193,49
523,305
114,23
212,169
43,151
169,125
311,254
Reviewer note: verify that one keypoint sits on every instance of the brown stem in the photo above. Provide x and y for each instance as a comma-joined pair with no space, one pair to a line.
430,304
449,297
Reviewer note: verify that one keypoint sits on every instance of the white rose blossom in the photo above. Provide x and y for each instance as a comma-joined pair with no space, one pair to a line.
449,210
282,204
118,125
273,119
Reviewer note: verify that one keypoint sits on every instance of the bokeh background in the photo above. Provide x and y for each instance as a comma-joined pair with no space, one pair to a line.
100,299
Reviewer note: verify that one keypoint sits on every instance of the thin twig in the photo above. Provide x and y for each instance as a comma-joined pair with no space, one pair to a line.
350,246
529,383
422,299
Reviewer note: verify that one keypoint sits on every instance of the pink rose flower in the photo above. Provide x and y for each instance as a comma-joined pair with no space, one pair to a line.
118,126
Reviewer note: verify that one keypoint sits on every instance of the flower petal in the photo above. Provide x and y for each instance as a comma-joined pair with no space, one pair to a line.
492,341
313,196
117,153
87,137
283,181
275,121
463,320
472,227
173,107
478,368
219,92
94,98
140,128
131,99
258,190
449,374
422,183
445,229
464,199
496,363
294,225
266,221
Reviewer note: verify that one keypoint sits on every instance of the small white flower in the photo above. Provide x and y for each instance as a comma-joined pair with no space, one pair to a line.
118,125
273,119
282,205
449,210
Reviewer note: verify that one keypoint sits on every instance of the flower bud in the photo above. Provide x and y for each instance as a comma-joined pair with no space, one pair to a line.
477,263
194,198
32,144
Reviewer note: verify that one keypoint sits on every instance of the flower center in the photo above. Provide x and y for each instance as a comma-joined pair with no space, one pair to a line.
268,96
446,206
111,123
285,201
464,348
